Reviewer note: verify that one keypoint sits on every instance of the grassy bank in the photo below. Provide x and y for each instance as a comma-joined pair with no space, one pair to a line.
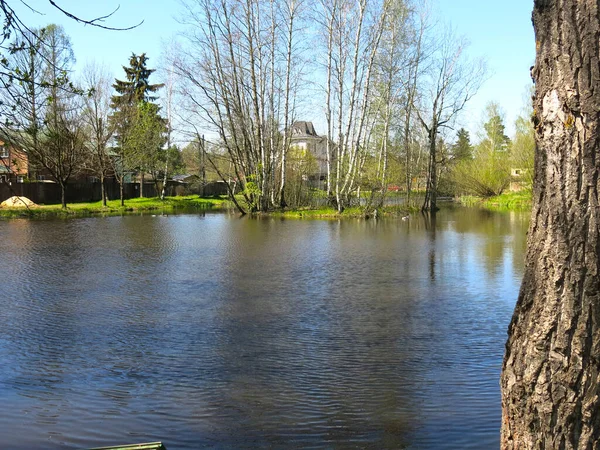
170,204
515,201
188,203
331,213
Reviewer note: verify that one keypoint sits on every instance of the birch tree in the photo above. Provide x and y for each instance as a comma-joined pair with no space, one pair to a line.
352,31
237,75
391,88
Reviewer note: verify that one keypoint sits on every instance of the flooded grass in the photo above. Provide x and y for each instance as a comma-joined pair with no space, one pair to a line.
169,204
508,201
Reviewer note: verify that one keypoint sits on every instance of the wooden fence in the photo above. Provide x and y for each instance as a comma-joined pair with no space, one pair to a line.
49,193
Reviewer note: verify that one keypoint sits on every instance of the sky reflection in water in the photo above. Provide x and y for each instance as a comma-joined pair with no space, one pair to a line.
219,332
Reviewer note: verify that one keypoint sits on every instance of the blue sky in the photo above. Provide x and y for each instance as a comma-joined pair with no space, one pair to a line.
499,31
111,47
502,33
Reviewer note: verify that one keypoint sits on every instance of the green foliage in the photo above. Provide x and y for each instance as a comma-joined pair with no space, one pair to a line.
300,175
495,141
145,138
140,130
136,87
488,173
462,150
523,150
176,165
170,204
514,201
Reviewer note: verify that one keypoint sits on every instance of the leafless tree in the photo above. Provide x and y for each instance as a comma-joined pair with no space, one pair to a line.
352,31
99,129
237,75
449,82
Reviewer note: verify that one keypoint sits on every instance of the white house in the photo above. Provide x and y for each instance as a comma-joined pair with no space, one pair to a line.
305,137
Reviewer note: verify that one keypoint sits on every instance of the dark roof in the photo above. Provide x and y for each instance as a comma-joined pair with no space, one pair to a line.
184,177
303,129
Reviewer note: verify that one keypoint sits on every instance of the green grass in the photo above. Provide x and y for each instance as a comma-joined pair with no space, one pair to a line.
507,201
188,203
170,204
331,213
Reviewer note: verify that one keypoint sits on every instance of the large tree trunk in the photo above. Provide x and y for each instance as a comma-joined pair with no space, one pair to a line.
551,373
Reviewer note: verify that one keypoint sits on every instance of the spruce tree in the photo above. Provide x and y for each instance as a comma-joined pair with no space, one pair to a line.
136,87
135,114
462,149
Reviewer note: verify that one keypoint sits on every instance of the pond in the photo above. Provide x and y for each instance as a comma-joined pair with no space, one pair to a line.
214,331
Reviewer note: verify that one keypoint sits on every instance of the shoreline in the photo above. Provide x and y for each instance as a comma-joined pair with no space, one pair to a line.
518,201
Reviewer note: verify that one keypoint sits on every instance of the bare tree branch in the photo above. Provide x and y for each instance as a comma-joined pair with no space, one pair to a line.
94,22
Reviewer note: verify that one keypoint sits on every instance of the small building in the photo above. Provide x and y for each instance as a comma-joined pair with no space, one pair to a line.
519,179
186,179
304,136
14,164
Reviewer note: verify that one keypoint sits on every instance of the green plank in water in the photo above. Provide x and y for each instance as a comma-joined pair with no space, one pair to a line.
146,446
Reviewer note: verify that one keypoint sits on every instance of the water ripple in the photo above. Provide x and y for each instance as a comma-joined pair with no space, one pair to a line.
213,332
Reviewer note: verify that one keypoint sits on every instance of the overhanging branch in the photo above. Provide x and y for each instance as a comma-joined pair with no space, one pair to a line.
94,22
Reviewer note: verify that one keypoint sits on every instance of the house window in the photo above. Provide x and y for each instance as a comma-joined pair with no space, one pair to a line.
41,177
20,179
4,152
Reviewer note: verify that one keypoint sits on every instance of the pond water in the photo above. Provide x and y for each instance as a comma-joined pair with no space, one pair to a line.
213,331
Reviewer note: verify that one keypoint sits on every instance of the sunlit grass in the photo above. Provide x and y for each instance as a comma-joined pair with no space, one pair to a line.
83,209
332,213
507,201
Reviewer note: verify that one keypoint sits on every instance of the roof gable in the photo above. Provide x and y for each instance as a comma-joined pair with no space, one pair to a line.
303,129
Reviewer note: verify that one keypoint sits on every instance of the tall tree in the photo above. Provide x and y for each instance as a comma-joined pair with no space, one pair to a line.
448,84
353,32
240,79
145,140
100,129
129,104
61,149
390,89
551,375
42,105
522,150
462,150
136,87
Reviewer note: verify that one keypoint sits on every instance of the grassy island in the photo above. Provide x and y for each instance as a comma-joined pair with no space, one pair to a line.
168,205
511,201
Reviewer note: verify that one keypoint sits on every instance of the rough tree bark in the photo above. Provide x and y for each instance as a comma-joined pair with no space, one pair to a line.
551,373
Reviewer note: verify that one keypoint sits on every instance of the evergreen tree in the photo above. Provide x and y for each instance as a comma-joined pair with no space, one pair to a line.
462,149
136,88
137,121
